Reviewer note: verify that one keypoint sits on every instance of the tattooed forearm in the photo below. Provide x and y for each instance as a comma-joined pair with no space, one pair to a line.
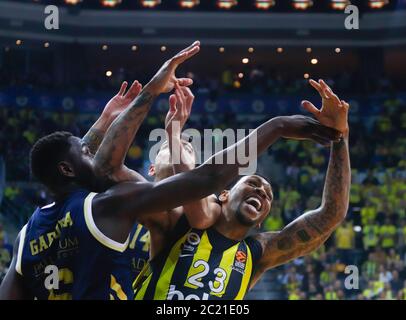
313,228
120,135
93,139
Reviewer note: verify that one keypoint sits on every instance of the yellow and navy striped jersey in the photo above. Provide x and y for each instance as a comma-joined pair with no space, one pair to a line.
199,265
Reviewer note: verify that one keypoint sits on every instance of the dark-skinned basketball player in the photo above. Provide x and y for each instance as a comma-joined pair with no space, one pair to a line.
222,261
82,231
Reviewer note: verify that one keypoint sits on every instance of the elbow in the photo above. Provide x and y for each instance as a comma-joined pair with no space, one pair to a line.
336,213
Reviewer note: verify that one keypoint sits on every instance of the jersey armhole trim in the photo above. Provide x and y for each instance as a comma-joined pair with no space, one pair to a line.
20,250
94,230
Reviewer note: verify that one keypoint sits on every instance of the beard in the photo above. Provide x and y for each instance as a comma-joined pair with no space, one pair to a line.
243,219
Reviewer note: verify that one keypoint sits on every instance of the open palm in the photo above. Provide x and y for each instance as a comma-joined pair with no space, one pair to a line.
164,80
122,99
333,112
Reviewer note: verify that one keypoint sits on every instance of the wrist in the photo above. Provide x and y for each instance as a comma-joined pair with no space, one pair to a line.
104,121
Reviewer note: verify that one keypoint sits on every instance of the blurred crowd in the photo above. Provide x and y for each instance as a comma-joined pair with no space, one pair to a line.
373,238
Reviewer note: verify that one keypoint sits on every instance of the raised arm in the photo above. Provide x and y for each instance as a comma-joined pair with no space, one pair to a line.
109,159
111,111
313,228
124,203
203,213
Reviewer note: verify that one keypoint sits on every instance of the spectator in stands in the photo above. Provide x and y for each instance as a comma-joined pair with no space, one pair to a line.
387,233
345,241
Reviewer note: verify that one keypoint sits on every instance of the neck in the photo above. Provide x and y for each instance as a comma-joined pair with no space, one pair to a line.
61,193
230,227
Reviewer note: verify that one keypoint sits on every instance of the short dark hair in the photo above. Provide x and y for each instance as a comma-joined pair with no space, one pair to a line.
45,155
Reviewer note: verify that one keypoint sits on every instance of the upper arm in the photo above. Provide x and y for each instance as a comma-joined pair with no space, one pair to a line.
202,214
300,237
12,287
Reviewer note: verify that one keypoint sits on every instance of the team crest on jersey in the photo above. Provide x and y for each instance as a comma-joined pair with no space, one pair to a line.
239,261
192,240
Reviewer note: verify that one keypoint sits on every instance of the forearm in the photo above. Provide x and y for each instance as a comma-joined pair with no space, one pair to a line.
336,191
95,135
260,140
178,156
120,135
308,232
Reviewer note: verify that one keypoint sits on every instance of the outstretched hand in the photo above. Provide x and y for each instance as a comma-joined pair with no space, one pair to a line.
122,99
333,112
164,80
180,106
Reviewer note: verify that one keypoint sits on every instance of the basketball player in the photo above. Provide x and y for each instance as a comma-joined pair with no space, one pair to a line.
222,261
80,234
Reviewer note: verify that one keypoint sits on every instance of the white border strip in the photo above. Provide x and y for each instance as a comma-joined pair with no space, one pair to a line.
20,250
99,236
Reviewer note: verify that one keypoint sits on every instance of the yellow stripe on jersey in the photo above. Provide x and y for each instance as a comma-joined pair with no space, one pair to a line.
140,293
200,258
226,264
116,287
165,277
134,239
246,278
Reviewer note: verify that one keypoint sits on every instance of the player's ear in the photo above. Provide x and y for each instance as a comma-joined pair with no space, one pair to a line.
151,170
66,169
223,197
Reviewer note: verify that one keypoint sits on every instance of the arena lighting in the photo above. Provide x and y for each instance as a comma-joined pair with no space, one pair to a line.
110,3
314,61
279,50
245,60
46,45
302,4
375,4
19,42
264,4
306,76
109,73
241,75
357,228
163,48
250,49
337,50
221,49
105,47
134,48
308,50
72,2
188,4
226,4
150,3
339,4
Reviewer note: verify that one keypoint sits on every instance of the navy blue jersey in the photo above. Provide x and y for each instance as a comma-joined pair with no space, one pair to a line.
134,257
64,237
